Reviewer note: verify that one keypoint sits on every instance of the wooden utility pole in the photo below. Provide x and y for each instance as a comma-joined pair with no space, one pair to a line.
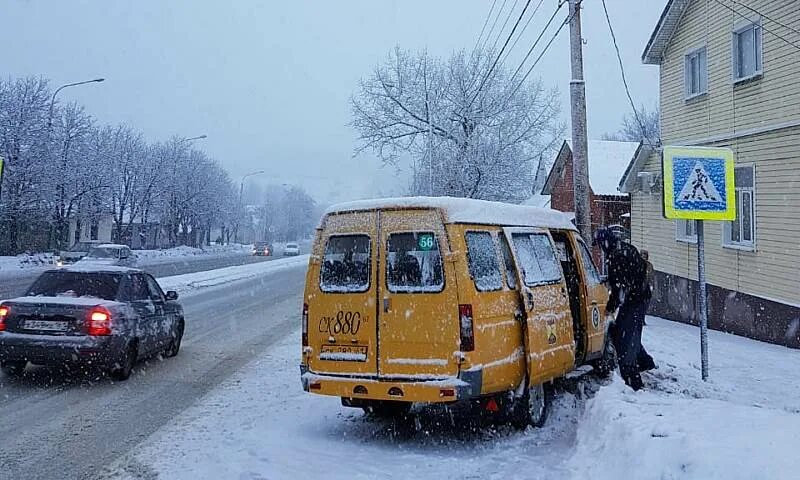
577,93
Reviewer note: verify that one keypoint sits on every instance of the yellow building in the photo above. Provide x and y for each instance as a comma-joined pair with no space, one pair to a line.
729,76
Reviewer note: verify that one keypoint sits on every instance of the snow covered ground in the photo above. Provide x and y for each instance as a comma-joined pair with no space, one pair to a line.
26,264
153,257
199,282
743,423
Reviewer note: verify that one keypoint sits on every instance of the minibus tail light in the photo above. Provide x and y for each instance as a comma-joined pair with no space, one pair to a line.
305,324
467,330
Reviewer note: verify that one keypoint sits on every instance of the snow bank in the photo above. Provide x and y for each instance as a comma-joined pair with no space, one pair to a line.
25,263
153,257
190,283
743,423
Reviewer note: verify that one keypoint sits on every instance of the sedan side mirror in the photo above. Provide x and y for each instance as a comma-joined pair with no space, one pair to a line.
172,295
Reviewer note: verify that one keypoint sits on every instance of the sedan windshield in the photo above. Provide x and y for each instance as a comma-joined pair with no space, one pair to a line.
81,247
76,284
104,252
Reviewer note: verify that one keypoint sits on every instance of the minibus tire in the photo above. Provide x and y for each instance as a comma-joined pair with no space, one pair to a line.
388,409
532,408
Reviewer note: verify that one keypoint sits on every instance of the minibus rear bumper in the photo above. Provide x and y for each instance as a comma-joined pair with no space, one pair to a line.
424,390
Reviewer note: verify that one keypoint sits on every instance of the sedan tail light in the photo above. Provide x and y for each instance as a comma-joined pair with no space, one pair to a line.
466,328
4,311
99,322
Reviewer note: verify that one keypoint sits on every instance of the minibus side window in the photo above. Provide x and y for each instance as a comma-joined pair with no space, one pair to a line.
346,264
536,258
511,273
483,265
592,277
414,263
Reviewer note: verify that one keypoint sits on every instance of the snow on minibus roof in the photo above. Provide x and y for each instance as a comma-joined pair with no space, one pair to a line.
465,210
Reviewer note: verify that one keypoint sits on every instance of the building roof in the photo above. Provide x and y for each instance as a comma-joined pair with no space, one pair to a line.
608,160
628,182
538,200
465,210
661,36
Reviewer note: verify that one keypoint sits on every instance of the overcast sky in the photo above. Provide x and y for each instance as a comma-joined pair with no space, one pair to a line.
269,81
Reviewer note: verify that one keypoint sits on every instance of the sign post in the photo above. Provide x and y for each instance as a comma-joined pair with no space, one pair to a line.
698,186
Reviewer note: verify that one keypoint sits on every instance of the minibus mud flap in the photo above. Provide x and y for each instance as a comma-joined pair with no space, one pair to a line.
473,380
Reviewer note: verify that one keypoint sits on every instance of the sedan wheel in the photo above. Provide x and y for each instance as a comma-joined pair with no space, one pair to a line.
13,369
123,371
175,344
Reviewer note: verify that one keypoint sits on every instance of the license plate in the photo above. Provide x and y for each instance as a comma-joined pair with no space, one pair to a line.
343,353
48,325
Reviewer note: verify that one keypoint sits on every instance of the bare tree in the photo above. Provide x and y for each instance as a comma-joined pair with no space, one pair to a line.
631,130
469,132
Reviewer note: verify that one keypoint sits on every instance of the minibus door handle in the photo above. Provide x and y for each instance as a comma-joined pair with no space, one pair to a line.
386,304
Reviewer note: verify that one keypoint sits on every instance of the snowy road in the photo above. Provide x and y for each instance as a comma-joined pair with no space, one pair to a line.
54,425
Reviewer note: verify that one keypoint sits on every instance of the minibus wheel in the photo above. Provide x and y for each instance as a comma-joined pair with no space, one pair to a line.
531,408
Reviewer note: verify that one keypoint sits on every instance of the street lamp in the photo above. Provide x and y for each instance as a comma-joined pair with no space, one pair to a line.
48,137
241,191
194,138
62,87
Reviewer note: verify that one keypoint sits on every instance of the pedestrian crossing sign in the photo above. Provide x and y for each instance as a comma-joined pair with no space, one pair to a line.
698,183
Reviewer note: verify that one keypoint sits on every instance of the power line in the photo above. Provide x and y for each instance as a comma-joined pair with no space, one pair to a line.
762,26
522,32
624,78
497,59
491,30
536,42
787,27
546,47
508,17
485,22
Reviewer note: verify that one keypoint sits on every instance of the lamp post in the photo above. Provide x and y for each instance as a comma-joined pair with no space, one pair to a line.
59,233
62,87
241,206
194,138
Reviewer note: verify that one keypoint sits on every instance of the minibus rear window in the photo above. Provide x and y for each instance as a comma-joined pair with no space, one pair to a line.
346,265
414,263
536,258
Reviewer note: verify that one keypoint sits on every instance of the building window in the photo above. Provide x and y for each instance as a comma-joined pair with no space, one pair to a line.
741,233
685,231
747,52
696,80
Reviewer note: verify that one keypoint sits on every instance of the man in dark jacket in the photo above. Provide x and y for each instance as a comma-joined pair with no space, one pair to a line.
630,293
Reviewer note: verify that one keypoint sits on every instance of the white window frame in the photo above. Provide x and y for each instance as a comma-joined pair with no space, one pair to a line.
680,232
703,73
758,43
749,246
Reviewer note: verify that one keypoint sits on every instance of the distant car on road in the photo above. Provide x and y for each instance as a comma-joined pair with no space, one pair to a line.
76,252
108,317
291,249
262,248
109,254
